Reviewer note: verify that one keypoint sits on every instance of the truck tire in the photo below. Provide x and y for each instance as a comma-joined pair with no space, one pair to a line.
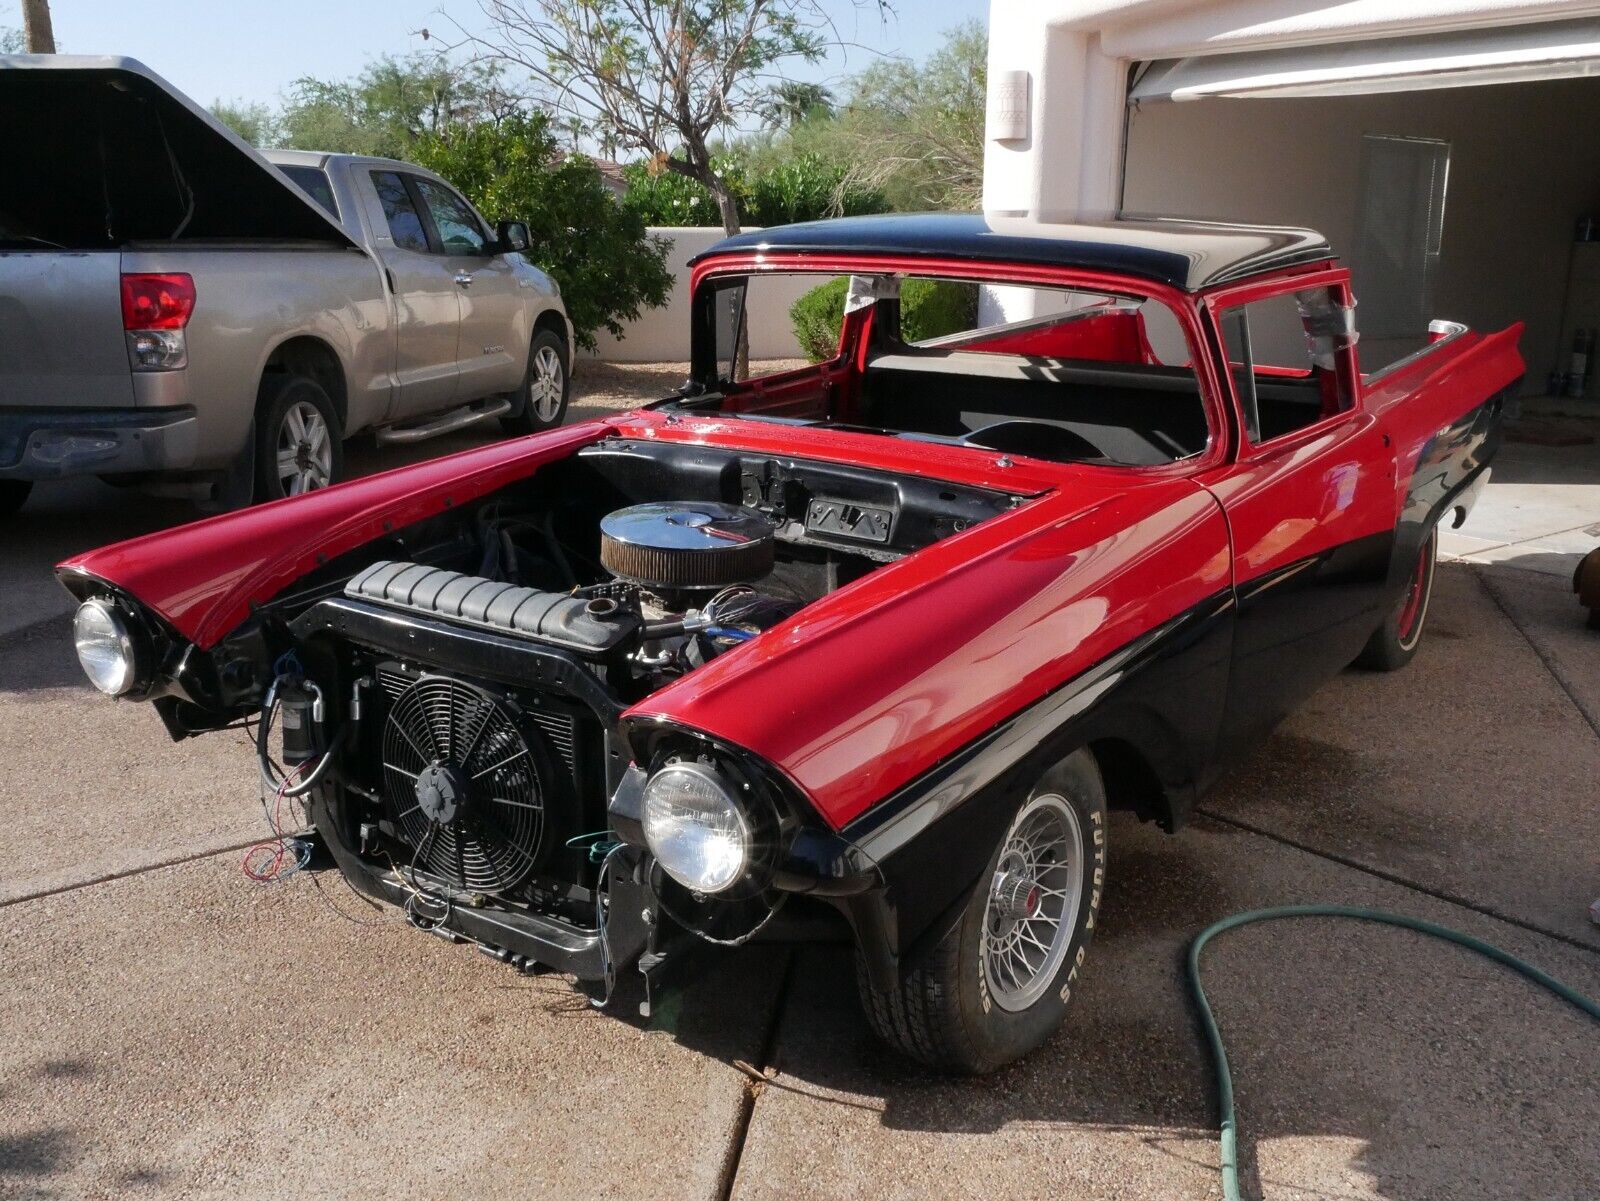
1394,643
13,495
299,441
545,387
997,985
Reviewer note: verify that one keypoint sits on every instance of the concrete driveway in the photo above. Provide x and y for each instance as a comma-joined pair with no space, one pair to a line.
173,1030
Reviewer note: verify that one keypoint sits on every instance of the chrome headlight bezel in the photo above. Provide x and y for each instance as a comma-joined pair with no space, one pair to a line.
706,808
101,621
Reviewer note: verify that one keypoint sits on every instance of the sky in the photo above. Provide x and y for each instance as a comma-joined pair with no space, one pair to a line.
251,50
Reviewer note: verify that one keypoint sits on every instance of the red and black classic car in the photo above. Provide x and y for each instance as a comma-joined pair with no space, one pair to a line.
885,635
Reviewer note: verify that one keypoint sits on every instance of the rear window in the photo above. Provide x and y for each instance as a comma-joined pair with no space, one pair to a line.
313,181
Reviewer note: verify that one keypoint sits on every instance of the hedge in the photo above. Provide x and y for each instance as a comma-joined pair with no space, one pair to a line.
929,308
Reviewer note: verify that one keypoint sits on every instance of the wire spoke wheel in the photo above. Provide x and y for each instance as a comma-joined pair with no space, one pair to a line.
1032,907
304,450
546,384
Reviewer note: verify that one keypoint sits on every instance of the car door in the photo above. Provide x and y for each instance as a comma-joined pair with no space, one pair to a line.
494,340
427,306
1310,496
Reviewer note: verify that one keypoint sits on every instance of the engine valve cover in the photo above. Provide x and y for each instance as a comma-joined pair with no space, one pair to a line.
687,544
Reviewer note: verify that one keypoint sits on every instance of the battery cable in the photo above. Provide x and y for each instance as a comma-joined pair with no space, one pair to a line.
1228,1131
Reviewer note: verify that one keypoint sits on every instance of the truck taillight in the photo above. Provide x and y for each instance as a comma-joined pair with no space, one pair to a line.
151,301
155,308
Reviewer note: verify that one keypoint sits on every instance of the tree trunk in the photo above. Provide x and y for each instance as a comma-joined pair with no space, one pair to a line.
36,25
727,206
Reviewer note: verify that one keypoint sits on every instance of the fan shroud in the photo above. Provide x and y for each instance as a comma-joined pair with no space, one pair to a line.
466,782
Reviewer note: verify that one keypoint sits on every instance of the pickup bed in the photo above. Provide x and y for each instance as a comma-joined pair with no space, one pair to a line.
180,311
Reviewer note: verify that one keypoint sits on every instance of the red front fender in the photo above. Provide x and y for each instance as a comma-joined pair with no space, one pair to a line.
203,578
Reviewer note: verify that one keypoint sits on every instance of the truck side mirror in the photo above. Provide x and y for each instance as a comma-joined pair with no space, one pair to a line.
513,236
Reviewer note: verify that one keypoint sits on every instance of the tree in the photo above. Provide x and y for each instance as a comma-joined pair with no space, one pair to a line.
792,102
254,122
37,27
662,76
918,131
394,102
596,249
10,40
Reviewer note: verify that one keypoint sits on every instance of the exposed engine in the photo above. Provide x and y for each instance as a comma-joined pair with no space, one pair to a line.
471,774
453,696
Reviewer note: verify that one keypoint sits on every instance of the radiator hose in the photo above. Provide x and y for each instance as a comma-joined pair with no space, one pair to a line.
1228,1135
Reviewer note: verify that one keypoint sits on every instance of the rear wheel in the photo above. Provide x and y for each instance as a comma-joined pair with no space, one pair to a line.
299,442
997,985
545,387
1396,640
13,495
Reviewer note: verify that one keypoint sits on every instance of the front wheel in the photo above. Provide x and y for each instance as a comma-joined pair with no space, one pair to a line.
997,985
13,495
1394,643
545,387
299,442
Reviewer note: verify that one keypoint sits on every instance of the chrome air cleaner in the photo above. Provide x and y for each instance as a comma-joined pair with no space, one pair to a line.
686,544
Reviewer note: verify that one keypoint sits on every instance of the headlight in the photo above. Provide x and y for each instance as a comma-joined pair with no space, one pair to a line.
695,828
105,647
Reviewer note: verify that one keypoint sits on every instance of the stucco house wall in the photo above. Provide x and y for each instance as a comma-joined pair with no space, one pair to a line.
662,335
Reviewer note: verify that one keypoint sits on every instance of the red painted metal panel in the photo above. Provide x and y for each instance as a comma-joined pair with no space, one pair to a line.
1112,337
203,578
868,687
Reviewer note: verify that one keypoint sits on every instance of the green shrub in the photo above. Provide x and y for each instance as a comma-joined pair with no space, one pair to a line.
929,308
599,252
816,317
800,188
667,198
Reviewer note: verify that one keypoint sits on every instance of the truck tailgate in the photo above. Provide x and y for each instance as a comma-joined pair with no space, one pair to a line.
61,340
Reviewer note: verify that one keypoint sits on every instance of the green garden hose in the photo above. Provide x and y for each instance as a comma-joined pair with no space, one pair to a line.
1219,1057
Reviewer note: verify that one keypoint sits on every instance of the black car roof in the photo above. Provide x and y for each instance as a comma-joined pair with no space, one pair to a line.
1190,255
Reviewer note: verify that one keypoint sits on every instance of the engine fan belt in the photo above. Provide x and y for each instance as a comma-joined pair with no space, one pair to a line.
580,625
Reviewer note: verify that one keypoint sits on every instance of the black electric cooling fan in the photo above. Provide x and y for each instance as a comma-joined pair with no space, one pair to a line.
465,784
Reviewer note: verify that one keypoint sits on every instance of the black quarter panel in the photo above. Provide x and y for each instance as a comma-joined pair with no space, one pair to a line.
1161,696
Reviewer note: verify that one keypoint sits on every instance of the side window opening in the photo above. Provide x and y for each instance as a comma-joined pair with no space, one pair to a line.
459,231
405,223
313,181
1284,355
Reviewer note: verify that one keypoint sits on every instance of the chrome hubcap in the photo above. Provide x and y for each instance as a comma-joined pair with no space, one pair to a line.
546,384
1033,902
305,450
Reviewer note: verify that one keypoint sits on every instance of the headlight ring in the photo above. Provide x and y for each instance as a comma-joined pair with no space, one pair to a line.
696,826
110,648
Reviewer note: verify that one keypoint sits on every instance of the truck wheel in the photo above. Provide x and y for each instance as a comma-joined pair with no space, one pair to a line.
545,387
1397,639
997,985
13,495
299,443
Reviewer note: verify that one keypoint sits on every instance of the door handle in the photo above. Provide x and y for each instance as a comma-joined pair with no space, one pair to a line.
463,279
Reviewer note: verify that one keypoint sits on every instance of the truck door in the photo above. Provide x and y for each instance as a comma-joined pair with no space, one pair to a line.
1310,497
495,337
427,309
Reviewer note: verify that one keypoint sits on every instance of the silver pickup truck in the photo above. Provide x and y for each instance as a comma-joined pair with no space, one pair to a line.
180,312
